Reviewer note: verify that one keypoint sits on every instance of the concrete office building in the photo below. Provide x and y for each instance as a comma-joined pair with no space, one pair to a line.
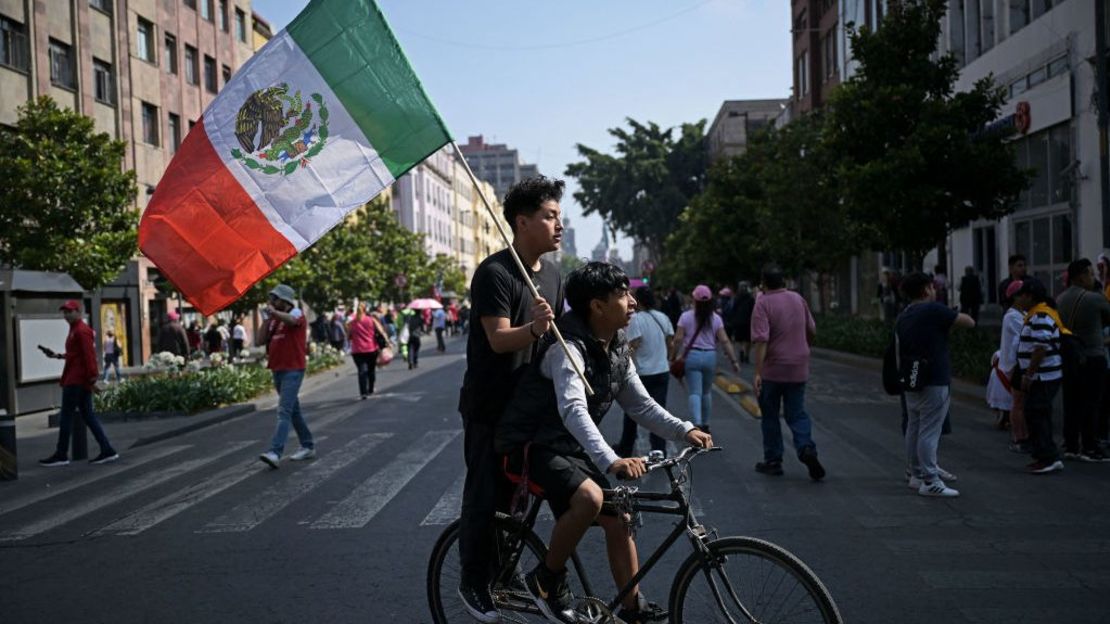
424,200
736,122
1043,52
496,163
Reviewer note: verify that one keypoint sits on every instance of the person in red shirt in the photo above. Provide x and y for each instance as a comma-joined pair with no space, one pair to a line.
78,384
283,333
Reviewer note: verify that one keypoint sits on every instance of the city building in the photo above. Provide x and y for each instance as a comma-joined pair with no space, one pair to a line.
424,200
861,14
496,163
569,247
1044,54
487,238
144,71
465,202
601,251
736,121
261,32
815,29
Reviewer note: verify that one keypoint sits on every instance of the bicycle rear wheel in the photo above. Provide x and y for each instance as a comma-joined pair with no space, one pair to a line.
746,573
509,595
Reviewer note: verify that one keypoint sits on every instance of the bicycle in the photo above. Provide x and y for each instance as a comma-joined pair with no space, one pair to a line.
741,578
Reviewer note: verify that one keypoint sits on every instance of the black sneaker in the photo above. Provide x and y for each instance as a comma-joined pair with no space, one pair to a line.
479,603
550,593
816,470
645,612
773,468
54,460
104,457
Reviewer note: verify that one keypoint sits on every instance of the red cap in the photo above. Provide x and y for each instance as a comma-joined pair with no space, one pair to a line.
72,304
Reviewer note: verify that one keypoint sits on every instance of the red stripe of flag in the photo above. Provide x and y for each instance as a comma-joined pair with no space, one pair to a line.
204,231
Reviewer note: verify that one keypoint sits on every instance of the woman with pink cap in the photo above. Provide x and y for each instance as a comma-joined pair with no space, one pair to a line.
699,332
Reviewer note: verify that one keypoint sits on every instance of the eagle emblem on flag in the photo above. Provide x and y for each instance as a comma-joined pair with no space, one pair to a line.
280,132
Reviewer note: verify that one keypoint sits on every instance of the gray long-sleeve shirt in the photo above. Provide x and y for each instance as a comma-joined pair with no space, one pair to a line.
570,397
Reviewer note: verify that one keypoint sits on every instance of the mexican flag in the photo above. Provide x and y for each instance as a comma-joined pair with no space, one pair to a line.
321,120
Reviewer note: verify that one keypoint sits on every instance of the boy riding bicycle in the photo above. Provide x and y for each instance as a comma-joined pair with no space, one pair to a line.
549,432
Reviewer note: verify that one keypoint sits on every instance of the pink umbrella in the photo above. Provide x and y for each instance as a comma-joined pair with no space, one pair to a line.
424,304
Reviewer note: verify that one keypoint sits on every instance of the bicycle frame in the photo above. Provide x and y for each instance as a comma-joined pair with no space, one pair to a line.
641,502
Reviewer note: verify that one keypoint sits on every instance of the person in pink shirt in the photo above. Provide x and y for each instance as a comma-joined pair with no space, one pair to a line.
782,330
699,332
367,336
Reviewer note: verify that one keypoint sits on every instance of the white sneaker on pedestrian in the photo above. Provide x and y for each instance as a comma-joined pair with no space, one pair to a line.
270,458
944,474
303,454
937,488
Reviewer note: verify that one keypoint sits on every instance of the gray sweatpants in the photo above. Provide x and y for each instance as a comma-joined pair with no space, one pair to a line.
926,411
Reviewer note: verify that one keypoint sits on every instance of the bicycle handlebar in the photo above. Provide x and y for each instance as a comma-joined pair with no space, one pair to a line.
687,455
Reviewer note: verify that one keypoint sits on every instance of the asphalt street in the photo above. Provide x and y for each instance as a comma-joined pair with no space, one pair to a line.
195,529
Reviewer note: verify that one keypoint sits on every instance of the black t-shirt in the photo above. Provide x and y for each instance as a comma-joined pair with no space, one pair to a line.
498,290
923,333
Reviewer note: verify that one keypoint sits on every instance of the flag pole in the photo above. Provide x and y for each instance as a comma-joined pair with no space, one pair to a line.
520,265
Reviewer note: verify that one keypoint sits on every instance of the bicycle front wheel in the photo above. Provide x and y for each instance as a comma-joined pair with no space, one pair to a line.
748,580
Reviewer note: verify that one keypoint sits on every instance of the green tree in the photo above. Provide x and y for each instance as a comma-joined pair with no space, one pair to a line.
66,204
357,259
643,188
569,263
914,161
441,268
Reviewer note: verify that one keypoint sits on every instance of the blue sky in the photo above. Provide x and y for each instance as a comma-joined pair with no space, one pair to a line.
543,76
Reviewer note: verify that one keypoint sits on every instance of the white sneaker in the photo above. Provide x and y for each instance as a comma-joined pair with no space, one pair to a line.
937,488
270,458
303,453
944,474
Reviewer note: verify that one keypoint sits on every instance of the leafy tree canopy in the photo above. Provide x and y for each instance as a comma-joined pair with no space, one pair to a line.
913,162
66,204
643,187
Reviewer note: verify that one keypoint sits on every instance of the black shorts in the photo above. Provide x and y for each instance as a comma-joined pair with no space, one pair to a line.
559,475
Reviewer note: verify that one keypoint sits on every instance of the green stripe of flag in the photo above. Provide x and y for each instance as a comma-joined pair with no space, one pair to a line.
350,44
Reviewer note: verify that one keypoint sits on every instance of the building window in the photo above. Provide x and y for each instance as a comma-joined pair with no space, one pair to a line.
210,74
104,6
1046,242
192,4
145,40
226,74
150,123
1019,15
103,85
1049,153
191,68
175,132
61,65
802,74
986,24
206,9
13,44
801,24
223,15
170,54
240,25
828,54
1058,66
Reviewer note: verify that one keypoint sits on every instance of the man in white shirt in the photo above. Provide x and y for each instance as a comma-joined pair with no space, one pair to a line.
238,338
649,335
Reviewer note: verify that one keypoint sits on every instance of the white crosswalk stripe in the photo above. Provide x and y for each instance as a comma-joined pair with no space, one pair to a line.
266,504
447,509
122,491
372,495
132,461
169,506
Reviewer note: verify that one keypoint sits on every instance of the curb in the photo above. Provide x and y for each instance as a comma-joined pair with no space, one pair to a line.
200,421
960,390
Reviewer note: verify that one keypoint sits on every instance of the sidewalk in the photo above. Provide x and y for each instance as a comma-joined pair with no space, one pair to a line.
35,439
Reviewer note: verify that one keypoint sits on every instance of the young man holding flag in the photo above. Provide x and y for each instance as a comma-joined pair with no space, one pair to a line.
506,325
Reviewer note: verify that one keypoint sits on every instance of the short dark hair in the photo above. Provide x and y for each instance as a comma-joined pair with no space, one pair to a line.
526,197
645,298
771,276
1014,259
1078,268
914,285
594,280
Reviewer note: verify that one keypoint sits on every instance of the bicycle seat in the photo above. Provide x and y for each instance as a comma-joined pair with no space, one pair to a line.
516,478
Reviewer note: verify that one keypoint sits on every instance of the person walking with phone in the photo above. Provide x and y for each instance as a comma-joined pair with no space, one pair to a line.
78,385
